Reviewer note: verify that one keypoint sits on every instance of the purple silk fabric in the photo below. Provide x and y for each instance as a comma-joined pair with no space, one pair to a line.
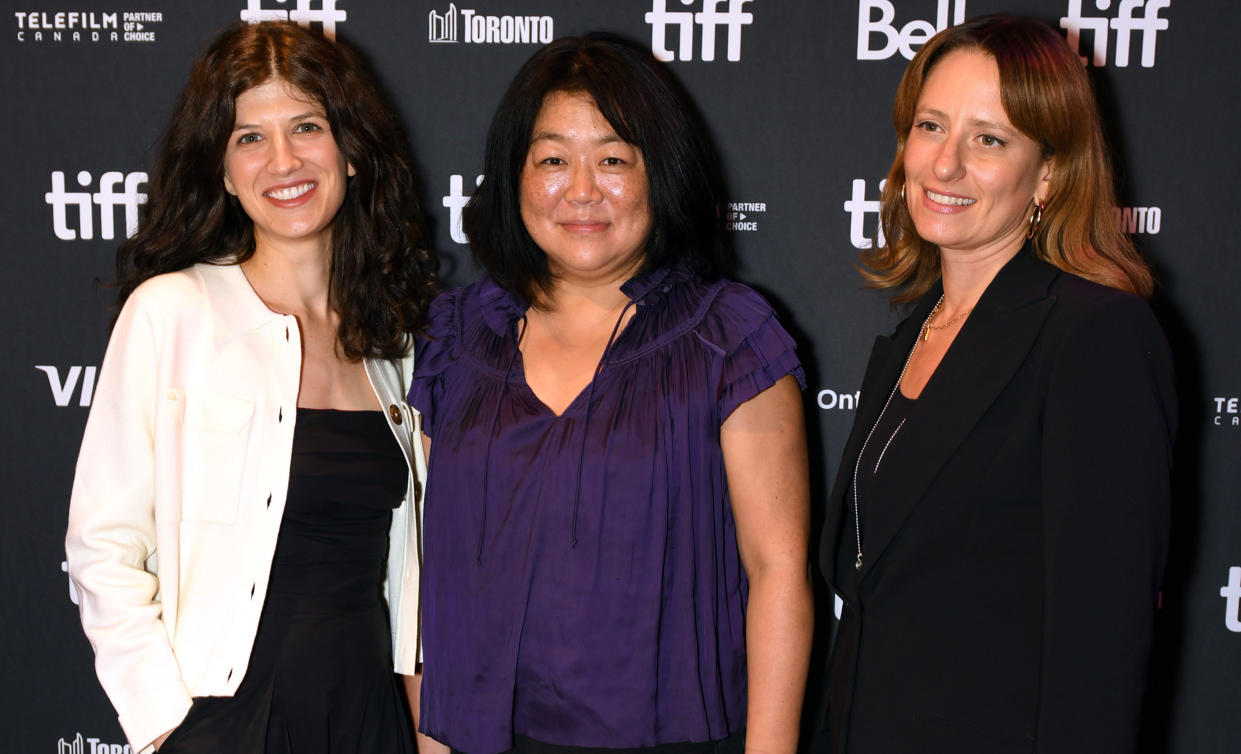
582,584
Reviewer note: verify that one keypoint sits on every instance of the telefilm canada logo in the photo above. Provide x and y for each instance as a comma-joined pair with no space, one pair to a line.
81,745
115,189
1140,17
1227,411
468,26
708,20
87,26
301,12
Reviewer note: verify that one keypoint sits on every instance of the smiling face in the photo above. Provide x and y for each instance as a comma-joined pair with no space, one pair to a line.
283,165
971,178
584,193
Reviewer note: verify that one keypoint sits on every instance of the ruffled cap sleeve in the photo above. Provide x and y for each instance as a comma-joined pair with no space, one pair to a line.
756,349
435,350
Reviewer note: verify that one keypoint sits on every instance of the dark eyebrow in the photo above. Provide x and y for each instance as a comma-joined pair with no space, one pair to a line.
294,119
553,136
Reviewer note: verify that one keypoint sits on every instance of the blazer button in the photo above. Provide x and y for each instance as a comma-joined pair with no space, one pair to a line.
395,412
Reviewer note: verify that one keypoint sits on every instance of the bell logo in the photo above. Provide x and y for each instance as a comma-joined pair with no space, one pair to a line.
905,39
107,198
302,15
62,389
1125,24
710,17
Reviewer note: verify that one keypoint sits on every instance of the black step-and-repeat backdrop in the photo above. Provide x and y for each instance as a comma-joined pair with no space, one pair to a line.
798,94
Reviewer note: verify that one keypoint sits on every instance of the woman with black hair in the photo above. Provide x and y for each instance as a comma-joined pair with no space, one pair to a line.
616,555
250,465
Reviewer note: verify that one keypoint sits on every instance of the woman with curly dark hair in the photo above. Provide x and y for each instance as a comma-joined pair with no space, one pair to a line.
247,471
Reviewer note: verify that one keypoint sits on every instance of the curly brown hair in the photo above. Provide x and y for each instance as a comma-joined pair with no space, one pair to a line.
381,281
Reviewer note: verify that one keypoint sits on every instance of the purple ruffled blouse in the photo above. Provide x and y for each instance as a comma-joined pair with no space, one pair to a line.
582,584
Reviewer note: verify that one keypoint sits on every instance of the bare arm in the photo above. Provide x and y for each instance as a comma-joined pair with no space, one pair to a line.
426,744
764,445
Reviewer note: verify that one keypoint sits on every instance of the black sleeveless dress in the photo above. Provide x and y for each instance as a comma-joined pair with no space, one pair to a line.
320,678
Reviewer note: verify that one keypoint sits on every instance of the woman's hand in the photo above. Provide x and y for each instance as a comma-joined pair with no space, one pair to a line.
764,445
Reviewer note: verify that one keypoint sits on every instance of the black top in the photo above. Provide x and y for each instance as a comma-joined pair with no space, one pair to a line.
320,676
346,476
1014,542
886,432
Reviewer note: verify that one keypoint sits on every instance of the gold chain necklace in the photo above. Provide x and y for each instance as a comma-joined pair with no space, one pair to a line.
927,327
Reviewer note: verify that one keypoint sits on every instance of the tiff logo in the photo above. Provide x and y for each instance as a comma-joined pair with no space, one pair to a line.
302,14
455,201
107,197
858,207
1231,592
442,28
1125,23
62,390
907,38
660,18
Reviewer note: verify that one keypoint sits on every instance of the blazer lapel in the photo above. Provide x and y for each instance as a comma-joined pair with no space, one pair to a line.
983,358
887,359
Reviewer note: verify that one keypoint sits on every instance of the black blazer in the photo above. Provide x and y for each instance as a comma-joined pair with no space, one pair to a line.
1015,542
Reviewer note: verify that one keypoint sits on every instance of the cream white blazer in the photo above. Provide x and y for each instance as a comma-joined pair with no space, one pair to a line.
180,489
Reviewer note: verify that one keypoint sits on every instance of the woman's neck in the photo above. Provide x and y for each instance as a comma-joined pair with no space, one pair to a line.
966,275
291,278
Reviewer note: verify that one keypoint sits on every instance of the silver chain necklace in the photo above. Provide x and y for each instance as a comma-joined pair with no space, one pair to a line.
857,516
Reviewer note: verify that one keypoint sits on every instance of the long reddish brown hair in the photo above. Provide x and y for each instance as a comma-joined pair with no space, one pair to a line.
1048,97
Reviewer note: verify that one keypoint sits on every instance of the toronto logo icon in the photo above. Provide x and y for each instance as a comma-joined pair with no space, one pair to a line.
468,26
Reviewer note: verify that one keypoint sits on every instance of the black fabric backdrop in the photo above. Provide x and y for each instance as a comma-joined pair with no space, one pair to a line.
798,95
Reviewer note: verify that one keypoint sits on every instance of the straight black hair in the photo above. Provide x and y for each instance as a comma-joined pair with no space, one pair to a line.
648,108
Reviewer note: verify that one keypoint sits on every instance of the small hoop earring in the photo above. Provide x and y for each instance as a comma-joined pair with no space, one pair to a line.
903,194
1036,219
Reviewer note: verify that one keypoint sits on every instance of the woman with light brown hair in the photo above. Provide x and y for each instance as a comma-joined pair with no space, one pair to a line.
998,527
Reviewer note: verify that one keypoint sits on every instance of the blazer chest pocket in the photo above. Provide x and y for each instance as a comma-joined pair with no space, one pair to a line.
214,436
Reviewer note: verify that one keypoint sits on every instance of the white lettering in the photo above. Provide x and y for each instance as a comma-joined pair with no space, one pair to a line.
1231,592
62,390
1125,24
455,201
1139,219
108,198
709,18
73,589
858,207
829,399
906,39
302,15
